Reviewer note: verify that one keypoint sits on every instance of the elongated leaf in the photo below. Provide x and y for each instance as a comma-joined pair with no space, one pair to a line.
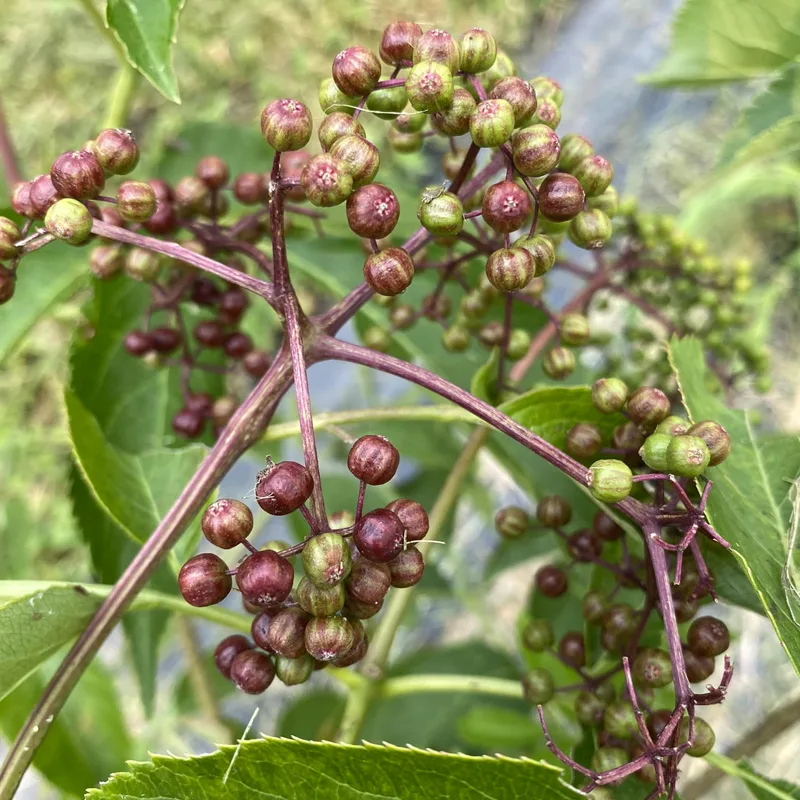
749,503
715,41
45,278
146,30
284,769
85,741
759,786
35,626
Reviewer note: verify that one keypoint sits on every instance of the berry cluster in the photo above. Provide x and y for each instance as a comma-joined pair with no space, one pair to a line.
301,626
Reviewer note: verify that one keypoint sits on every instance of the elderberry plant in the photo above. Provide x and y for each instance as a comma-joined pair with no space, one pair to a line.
513,193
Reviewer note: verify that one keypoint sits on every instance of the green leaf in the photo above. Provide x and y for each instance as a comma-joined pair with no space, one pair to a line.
499,730
313,715
749,503
147,29
284,769
715,41
774,143
35,626
89,737
780,99
45,278
760,787
484,382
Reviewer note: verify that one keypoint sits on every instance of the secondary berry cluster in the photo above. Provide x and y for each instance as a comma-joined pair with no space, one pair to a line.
302,625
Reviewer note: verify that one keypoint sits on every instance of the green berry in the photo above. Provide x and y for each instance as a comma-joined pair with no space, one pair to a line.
610,480
703,739
619,720
286,124
333,100
478,51
607,202
440,213
553,511
511,522
590,229
609,395
492,123
594,607
456,339
558,363
429,86
293,671
647,406
455,120
716,438
574,148
136,201
673,426
652,668
595,175
509,269
326,559
542,250
360,156
387,103
537,635
320,600
69,220
687,456
519,342
9,235
326,180
608,758
335,126
548,89
438,45
538,686
589,709
654,451
574,329
536,150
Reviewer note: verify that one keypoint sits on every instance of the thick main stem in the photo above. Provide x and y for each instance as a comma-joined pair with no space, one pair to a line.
244,429
293,321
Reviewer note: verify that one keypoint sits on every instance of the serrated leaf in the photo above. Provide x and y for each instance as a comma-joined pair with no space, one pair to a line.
296,770
715,41
35,626
147,29
85,741
45,278
749,503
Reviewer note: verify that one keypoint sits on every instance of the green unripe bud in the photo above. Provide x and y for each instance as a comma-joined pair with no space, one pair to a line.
69,220
142,265
537,635
326,559
652,668
492,123
607,202
377,339
509,269
320,601
9,235
387,103
519,343
456,339
619,720
478,51
654,451
703,739
590,229
511,522
589,709
360,156
594,606
136,201
335,126
648,406
334,100
716,438
286,124
536,150
404,142
595,175
574,329
559,363
455,121
438,45
538,686
440,213
553,511
574,148
503,67
610,480
687,456
548,89
608,758
326,180
583,440
609,395
474,305
294,671
542,251
411,121
547,113
673,426
429,86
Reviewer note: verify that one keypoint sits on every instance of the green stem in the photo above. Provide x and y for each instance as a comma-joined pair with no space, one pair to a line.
326,421
476,684
732,768
121,97
374,663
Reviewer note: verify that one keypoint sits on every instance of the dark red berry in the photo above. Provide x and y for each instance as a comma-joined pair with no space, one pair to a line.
399,41
372,211
252,671
292,164
605,527
657,721
389,272
21,199
648,406
210,333
165,340
78,174
698,668
188,424
227,522
551,581
572,649
506,206
708,636
561,197
585,546
358,649
583,440
259,628
553,511
286,124
213,171
379,535
237,345
373,459
232,304
360,610
203,580
368,582
248,188
43,195
138,343
413,516
116,150
8,282
199,403
265,578
286,634
406,568
356,70
256,363
228,649
328,638
164,221
282,488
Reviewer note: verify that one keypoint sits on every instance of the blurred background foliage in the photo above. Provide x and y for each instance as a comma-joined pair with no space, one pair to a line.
710,133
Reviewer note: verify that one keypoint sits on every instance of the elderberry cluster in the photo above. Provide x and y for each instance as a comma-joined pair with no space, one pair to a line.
302,625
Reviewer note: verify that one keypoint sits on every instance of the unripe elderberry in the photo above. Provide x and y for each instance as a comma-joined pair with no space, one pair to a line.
583,440
438,45
687,456
574,329
226,523
609,395
574,148
542,250
429,86
389,272
326,180
537,635
559,363
373,211
406,568
716,438
286,634
492,123
478,51
652,668
538,686
252,671
282,488
326,559
553,511
708,637
648,406
368,581
69,220
535,150
399,41
265,578
78,174
294,671
373,459
551,581
136,201
227,650
506,206
440,213
379,535
654,451
413,516
203,580
511,522
561,197
509,269
360,156
356,70
327,638
286,124
116,150
320,601
590,229
454,121
610,480
595,175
